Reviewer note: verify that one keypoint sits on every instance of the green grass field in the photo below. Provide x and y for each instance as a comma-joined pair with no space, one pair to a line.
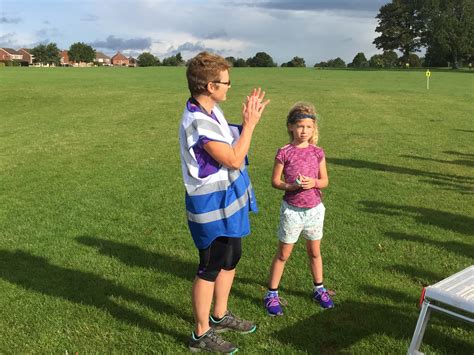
95,255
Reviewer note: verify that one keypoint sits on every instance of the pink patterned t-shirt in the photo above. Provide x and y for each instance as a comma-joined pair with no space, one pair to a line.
304,161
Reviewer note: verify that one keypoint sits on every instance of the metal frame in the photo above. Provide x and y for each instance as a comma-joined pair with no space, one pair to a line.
425,313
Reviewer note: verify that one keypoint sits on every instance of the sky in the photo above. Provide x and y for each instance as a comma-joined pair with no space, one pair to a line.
314,30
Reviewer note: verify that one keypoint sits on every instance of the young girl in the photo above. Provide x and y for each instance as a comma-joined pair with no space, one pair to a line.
303,167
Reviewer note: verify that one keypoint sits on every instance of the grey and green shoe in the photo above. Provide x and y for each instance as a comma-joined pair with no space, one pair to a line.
231,322
210,341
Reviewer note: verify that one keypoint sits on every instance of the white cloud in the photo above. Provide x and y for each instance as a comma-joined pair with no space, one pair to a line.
16,41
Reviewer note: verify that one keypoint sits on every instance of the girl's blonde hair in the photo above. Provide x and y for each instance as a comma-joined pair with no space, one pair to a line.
299,111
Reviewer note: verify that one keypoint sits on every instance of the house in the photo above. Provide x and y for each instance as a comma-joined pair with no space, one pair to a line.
27,56
120,60
8,54
132,62
64,61
101,59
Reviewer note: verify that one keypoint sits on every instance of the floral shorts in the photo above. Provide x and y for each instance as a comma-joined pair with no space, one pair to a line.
296,220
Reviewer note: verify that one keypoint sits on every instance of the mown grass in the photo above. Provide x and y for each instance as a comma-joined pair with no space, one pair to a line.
95,255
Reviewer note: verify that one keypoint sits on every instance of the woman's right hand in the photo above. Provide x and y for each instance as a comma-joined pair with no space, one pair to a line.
252,110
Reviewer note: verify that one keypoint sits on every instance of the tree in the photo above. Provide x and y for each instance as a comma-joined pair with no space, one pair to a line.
414,60
400,24
261,59
46,54
450,29
146,59
435,57
296,62
376,61
179,59
231,60
173,61
331,63
336,63
390,59
39,54
239,62
81,52
360,61
52,53
321,65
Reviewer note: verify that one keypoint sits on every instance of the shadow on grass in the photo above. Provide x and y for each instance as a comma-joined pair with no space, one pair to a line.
134,256
388,293
463,162
421,277
464,130
39,275
164,264
452,152
463,249
452,182
446,220
336,330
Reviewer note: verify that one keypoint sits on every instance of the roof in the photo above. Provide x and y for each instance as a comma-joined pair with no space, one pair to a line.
25,50
100,55
119,56
11,51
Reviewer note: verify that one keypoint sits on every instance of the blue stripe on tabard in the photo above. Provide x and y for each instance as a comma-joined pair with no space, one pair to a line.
237,225
219,199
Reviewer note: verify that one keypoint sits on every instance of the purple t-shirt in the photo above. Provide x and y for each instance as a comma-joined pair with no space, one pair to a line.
304,161
207,164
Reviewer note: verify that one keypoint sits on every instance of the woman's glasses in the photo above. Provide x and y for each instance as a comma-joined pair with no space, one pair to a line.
221,82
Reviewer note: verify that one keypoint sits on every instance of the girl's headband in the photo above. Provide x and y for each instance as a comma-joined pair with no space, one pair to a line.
300,116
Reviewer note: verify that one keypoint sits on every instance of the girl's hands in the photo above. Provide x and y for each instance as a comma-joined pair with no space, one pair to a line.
307,182
253,108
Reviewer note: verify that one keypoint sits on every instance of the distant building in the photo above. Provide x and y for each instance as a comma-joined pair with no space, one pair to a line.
27,57
8,54
102,59
120,60
64,55
132,62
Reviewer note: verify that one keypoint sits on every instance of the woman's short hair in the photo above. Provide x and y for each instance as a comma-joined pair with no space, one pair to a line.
204,68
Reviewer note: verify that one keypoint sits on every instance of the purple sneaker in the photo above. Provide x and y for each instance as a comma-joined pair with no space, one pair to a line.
321,295
273,305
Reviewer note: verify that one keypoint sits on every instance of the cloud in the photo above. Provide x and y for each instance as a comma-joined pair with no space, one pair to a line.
327,5
7,40
120,44
47,32
10,20
190,49
13,40
216,35
90,18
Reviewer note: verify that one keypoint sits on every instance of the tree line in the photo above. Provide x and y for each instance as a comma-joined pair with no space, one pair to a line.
49,54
